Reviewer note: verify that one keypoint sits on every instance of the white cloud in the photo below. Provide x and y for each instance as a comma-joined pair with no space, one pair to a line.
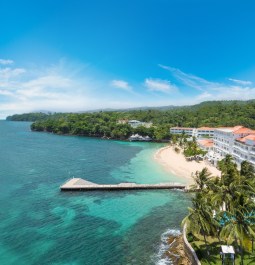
190,80
204,96
121,84
71,87
7,73
5,92
241,90
160,85
241,82
5,62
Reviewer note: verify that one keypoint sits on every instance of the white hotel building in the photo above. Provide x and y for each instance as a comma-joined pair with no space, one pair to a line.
180,130
244,149
237,141
196,132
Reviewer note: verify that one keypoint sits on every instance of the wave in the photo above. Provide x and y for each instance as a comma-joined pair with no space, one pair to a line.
161,258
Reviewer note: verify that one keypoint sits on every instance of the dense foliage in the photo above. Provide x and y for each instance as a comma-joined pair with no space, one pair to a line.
35,116
214,113
224,207
102,124
188,144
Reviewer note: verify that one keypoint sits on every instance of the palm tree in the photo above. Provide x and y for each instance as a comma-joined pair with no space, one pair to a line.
247,170
199,219
201,179
232,199
240,221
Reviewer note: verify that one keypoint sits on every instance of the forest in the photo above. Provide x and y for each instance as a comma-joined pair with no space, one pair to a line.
105,123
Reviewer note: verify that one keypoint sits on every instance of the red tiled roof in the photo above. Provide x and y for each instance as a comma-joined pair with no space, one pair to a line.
243,130
206,142
239,130
248,137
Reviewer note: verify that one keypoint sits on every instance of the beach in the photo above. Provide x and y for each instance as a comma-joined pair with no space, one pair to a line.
177,164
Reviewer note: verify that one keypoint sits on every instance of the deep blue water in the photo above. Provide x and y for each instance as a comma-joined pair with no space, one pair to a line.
41,225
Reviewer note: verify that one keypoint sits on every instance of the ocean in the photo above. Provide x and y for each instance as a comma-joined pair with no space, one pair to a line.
41,225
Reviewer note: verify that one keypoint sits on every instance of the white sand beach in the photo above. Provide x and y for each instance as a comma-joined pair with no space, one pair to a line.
177,164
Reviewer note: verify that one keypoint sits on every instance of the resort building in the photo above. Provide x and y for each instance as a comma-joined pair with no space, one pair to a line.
180,130
238,141
201,132
205,132
224,139
205,144
244,149
135,124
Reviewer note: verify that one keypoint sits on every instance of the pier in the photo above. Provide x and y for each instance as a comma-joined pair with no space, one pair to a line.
78,184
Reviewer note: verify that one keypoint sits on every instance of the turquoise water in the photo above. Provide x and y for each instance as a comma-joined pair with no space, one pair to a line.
41,225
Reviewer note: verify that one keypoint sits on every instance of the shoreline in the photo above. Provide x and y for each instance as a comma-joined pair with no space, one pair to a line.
177,164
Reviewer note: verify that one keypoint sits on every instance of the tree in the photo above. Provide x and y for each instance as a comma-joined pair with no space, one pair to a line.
240,221
201,179
199,219
247,170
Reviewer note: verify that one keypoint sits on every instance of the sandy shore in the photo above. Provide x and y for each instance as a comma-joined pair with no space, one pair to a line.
179,166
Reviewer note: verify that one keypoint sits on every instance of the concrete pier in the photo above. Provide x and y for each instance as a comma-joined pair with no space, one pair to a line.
78,184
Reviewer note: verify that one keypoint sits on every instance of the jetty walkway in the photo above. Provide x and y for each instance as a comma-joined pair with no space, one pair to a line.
78,184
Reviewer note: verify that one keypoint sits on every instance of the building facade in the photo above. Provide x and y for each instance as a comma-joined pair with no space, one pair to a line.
196,132
180,130
244,149
205,132
233,141
136,123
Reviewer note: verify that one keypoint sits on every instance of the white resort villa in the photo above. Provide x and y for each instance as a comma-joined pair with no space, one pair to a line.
136,123
238,141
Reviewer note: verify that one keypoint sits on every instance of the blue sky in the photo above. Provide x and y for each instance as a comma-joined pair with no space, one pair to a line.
82,55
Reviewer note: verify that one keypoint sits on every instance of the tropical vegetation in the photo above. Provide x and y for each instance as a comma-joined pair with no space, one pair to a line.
223,208
188,144
105,123
210,113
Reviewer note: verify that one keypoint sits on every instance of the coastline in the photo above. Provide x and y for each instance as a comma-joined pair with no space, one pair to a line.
177,164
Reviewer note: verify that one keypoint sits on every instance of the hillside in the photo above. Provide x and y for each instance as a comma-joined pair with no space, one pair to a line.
212,113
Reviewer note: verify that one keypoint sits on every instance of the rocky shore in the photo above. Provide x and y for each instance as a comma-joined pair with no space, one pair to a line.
176,251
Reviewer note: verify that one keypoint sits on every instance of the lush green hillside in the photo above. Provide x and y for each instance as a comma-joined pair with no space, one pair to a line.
213,113
36,116
103,124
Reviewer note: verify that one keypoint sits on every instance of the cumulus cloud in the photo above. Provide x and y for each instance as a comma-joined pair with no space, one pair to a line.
240,82
121,84
165,86
5,62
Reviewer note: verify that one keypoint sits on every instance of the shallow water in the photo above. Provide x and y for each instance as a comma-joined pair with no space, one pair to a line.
41,225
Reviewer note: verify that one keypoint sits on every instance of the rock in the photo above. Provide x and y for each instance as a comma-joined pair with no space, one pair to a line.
176,251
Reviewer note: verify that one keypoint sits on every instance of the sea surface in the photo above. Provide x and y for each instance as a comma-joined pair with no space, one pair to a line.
41,225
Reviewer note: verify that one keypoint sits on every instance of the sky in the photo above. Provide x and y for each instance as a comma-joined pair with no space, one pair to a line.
85,55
